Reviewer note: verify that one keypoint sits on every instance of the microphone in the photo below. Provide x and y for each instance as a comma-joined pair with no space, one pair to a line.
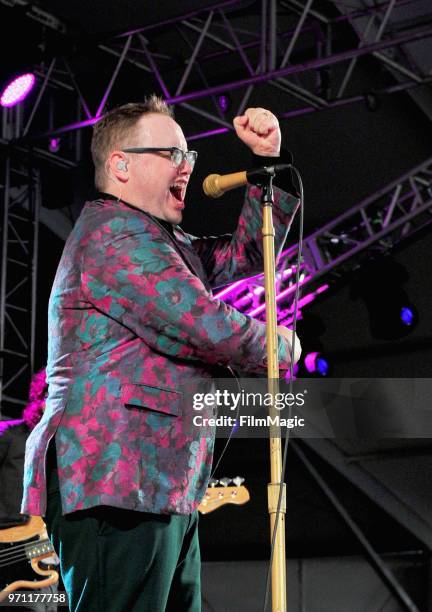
215,185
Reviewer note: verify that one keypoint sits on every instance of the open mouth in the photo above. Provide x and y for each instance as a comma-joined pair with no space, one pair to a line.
178,191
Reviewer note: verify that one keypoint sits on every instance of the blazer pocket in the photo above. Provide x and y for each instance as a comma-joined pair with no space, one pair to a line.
165,401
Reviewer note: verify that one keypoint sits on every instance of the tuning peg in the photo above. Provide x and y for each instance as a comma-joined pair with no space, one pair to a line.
213,482
238,480
225,481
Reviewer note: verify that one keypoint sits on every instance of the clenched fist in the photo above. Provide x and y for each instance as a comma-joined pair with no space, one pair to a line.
259,129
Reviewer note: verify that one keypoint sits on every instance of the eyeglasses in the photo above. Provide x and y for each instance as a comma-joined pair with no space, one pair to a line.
177,155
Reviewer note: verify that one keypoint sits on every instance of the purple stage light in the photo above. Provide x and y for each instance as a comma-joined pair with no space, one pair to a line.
54,145
315,363
407,315
322,366
309,361
17,89
224,103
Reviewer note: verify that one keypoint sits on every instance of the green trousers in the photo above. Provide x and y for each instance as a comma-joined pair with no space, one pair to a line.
115,560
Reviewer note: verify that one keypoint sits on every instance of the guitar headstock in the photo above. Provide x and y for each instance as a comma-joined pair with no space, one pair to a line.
217,496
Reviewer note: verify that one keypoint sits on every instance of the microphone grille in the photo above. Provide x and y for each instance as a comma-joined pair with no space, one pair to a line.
211,186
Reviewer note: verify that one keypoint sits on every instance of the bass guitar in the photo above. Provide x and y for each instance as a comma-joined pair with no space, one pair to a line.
26,543
217,496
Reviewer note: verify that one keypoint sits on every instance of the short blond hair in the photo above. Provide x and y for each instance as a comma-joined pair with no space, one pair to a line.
117,129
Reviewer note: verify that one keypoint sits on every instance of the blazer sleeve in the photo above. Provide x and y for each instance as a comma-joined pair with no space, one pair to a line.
143,283
231,257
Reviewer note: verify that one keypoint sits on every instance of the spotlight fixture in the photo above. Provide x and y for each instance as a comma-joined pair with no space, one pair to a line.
392,315
224,102
316,363
407,315
17,89
54,145
372,101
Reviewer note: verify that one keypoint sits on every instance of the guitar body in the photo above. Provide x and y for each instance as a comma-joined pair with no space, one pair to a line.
21,550
23,532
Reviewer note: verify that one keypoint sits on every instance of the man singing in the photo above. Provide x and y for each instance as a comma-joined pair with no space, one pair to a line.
114,465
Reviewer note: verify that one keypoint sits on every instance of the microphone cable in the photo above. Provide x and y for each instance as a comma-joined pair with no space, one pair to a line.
291,373
233,428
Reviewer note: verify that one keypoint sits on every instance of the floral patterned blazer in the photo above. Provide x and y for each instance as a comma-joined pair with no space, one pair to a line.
131,321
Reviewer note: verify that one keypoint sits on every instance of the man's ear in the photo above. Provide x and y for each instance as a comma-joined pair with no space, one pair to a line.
117,167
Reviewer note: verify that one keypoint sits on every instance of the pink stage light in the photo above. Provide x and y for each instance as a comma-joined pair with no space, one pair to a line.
17,89
315,363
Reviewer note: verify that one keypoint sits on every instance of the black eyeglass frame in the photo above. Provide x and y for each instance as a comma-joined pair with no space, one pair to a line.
172,151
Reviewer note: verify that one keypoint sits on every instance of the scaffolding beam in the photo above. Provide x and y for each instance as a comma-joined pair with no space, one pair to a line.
301,34
372,227
20,187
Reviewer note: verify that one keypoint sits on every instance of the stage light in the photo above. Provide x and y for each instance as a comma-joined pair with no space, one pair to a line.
316,363
372,101
54,145
224,102
17,89
407,315
392,315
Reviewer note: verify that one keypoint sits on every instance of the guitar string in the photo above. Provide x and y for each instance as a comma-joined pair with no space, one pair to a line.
20,550
20,556
16,560
7,550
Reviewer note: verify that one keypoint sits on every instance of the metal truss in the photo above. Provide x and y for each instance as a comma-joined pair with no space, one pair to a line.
12,138
230,47
405,61
376,561
19,249
370,228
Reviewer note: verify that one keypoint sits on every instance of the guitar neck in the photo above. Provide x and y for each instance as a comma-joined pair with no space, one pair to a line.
38,549
18,552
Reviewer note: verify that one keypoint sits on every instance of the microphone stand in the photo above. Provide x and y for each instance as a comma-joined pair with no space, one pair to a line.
264,179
